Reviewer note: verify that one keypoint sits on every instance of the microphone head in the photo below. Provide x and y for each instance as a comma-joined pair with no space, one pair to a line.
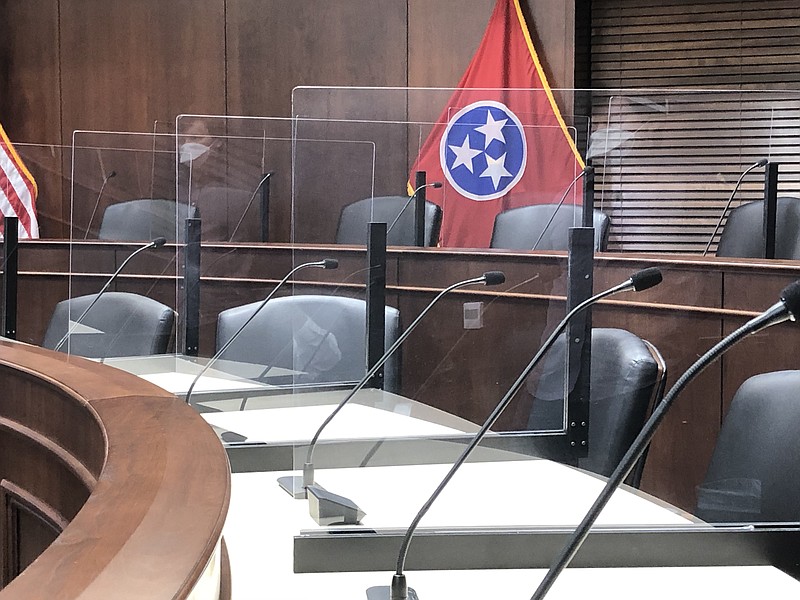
110,175
762,163
646,278
494,277
330,263
436,185
158,242
791,298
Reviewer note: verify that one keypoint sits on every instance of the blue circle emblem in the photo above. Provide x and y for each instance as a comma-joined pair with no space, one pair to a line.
483,150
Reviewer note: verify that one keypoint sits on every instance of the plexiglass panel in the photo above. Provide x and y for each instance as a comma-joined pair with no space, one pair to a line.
666,165
272,193
305,349
124,294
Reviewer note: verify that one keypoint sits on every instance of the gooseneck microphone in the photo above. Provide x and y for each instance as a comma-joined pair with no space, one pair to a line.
560,202
156,243
434,184
760,163
327,263
250,202
97,202
290,484
786,309
639,281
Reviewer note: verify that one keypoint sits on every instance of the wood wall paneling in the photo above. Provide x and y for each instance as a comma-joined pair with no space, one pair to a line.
30,92
277,45
128,64
29,71
442,37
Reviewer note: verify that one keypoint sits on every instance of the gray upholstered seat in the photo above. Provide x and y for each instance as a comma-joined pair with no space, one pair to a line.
520,228
119,324
355,217
322,338
743,235
145,219
627,376
753,474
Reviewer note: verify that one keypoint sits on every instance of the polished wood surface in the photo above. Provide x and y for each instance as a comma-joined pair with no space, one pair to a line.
466,372
137,481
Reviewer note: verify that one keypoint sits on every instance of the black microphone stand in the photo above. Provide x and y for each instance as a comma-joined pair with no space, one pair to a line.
97,202
434,184
156,243
786,309
328,263
560,203
298,487
642,280
250,203
760,163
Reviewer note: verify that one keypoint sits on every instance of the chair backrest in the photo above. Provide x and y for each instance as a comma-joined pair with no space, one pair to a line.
753,474
520,228
355,217
627,375
145,219
743,236
321,337
119,324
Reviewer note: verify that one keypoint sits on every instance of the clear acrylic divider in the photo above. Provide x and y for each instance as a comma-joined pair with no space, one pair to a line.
305,348
124,288
668,162
653,179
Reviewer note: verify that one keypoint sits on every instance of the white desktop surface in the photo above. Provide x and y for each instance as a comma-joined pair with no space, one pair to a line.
298,424
175,373
263,520
179,383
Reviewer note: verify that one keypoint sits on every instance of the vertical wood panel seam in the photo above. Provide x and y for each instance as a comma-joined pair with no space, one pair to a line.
63,218
225,53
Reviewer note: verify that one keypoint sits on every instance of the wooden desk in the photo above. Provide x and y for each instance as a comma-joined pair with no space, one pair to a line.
466,372
131,478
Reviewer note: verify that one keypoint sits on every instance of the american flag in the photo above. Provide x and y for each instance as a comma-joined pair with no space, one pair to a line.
18,190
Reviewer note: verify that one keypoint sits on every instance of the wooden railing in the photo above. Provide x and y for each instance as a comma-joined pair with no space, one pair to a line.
110,487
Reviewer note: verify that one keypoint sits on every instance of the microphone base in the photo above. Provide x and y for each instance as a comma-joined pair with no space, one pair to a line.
384,592
327,508
293,485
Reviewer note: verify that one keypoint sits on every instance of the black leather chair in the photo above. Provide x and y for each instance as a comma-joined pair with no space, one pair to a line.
126,325
520,228
323,338
742,236
753,474
355,217
145,219
627,378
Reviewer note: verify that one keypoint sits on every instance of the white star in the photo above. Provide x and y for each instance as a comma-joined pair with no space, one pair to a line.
496,169
493,130
464,155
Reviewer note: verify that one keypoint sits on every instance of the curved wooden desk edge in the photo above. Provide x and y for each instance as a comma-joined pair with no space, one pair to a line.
154,519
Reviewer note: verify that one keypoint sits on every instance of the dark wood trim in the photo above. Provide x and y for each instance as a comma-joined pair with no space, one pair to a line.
15,503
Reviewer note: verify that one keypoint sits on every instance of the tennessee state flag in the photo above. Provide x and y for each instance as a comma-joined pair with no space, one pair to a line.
18,190
501,141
